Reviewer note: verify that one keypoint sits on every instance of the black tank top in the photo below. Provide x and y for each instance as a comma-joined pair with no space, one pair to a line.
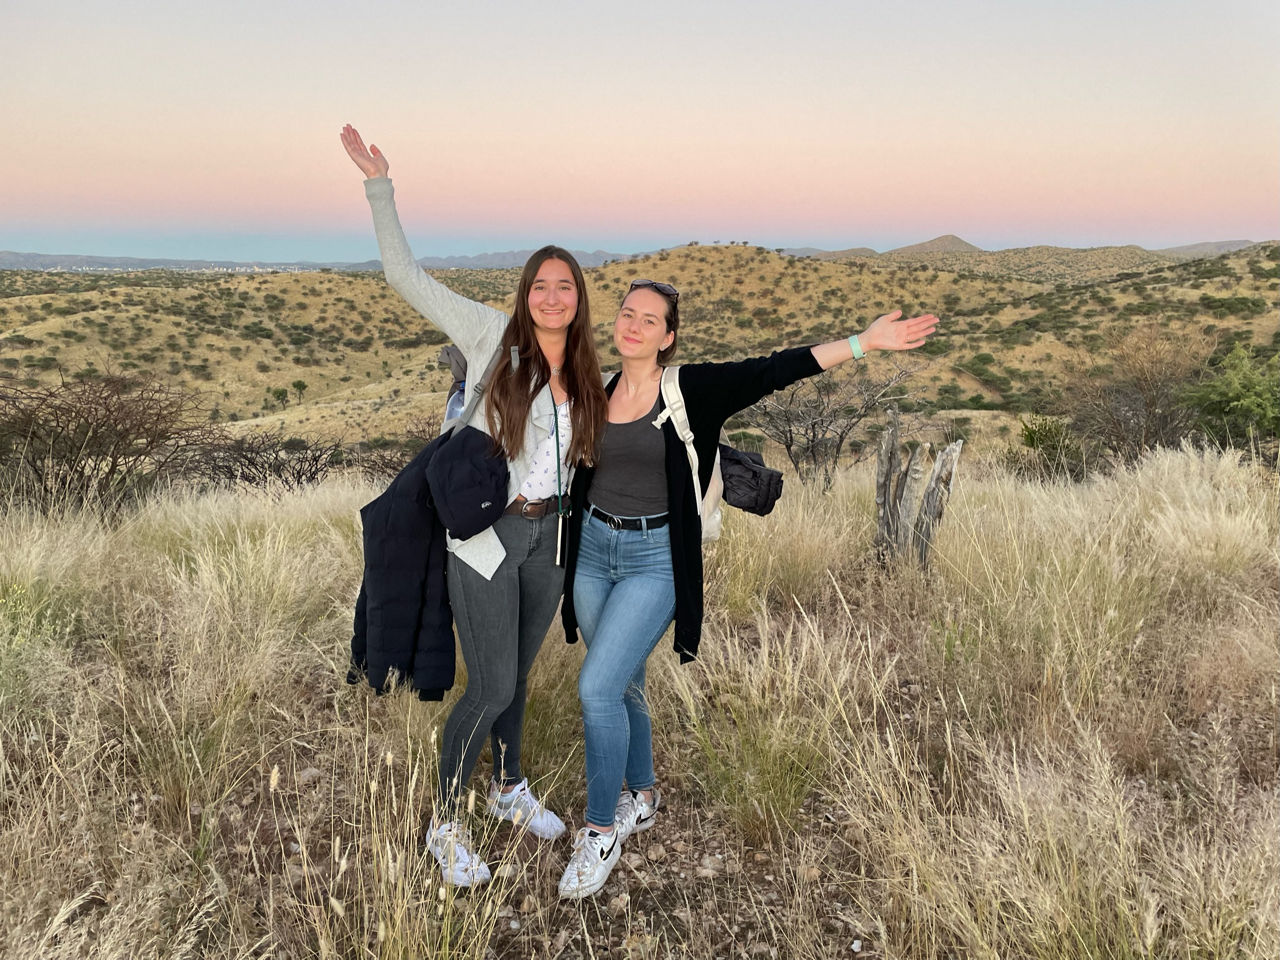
631,477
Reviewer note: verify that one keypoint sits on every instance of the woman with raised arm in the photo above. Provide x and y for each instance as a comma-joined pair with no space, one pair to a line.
545,413
635,544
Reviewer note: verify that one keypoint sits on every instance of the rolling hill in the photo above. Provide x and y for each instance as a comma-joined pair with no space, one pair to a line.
367,363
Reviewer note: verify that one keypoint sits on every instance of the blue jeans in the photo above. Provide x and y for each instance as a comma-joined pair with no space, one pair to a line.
624,596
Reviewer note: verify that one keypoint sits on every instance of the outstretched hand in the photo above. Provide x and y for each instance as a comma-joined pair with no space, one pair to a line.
369,159
890,333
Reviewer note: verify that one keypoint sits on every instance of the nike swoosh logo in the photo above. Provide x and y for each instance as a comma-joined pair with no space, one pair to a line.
606,854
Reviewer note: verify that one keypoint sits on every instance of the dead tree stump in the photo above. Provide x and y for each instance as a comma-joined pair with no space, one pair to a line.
906,520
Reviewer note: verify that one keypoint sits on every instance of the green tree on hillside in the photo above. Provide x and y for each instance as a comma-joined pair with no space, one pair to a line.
1240,403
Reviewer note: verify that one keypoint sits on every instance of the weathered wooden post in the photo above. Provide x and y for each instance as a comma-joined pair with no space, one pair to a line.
904,518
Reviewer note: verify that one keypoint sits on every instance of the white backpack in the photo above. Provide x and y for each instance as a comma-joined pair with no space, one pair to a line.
708,505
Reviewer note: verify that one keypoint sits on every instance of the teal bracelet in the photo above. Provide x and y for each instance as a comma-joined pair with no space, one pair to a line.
856,347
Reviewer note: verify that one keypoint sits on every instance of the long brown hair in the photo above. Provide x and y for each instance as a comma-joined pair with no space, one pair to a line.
511,395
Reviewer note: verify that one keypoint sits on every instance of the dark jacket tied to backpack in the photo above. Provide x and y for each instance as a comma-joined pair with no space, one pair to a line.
403,622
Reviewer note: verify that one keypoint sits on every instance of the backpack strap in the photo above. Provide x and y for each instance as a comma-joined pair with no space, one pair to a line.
474,392
674,410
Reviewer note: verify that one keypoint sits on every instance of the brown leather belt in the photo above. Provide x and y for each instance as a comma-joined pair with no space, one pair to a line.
532,509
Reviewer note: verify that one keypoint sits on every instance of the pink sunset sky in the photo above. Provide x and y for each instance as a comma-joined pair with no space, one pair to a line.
211,131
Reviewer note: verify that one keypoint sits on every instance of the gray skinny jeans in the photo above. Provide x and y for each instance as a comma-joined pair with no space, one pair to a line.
501,624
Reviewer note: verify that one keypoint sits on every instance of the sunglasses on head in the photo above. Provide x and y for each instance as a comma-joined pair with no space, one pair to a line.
666,289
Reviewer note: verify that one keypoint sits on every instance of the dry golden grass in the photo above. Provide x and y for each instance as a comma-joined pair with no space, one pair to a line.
1060,742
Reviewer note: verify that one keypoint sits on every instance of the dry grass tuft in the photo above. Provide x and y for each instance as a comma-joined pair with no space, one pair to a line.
1060,742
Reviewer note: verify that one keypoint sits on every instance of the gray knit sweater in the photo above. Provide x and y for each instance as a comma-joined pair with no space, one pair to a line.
477,331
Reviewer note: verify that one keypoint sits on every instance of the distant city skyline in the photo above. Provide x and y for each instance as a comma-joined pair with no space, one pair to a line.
179,131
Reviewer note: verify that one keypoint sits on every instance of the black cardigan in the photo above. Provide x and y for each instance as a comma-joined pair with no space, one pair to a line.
713,392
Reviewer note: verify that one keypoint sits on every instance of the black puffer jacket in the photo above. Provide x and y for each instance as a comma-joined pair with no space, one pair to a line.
403,621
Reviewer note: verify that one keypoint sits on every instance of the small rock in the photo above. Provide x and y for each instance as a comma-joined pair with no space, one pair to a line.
632,861
732,868
505,871
809,873
514,924
194,810
704,874
505,911
762,950
529,904
680,846
619,904
760,857
308,775
856,946
656,852
712,864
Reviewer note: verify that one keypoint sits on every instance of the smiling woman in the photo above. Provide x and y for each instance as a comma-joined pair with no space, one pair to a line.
635,543
647,318
553,297
544,409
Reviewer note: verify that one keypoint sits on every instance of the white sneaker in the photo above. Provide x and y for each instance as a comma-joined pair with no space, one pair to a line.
450,844
594,856
523,809
634,813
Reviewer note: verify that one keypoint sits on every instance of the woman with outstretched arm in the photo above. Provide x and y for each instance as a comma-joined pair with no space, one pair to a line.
635,544
545,414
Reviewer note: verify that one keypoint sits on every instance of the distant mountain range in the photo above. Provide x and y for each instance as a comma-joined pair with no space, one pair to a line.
11,260
950,243
947,244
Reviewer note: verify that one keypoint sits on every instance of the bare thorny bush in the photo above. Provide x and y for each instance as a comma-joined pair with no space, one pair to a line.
264,459
379,463
813,419
97,441
108,441
1135,402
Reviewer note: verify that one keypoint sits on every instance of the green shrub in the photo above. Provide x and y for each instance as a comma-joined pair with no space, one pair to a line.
1241,401
1049,451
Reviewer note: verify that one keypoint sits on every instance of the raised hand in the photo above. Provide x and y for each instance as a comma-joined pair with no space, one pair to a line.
369,159
890,333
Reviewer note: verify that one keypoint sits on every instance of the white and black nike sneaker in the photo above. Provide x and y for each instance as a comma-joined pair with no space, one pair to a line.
594,856
634,813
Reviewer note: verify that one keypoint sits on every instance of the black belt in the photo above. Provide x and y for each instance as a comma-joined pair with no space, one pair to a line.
629,523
